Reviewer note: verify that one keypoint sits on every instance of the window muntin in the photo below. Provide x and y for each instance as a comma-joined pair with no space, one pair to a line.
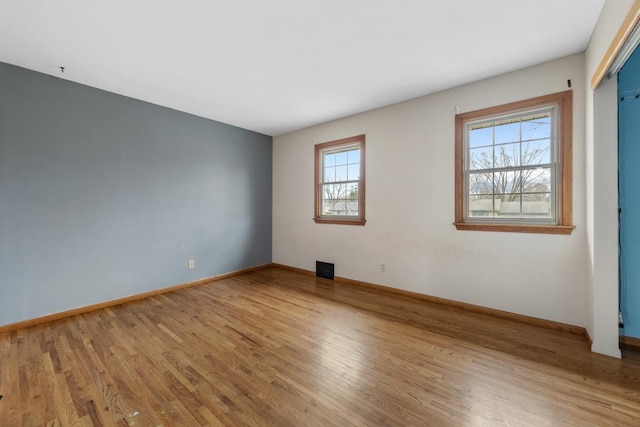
339,181
514,166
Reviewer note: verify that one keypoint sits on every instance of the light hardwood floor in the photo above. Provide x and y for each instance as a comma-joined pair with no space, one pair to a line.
277,348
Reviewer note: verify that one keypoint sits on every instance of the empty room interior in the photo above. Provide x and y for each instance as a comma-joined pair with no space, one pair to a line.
291,213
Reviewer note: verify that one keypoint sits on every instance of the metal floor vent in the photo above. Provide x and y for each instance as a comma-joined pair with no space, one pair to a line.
324,270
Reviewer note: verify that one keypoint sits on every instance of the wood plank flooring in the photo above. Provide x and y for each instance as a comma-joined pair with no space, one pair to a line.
277,348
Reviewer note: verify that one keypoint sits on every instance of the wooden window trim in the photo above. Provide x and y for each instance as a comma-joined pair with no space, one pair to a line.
564,172
341,220
631,20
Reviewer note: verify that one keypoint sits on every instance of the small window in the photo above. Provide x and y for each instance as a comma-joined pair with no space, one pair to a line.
339,181
513,167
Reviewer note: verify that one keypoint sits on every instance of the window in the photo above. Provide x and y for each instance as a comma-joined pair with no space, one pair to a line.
339,181
513,167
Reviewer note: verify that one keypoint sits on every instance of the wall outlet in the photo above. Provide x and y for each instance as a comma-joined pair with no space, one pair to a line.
383,268
192,264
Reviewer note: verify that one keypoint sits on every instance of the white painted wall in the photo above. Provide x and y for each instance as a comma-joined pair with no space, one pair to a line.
602,186
410,206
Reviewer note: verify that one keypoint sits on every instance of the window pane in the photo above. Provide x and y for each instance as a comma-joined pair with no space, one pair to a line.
329,159
537,209
351,203
352,192
341,173
510,205
481,158
353,156
536,180
341,158
480,137
333,191
328,207
483,206
536,128
353,172
329,174
507,183
507,155
509,132
536,152
332,195
536,205
480,183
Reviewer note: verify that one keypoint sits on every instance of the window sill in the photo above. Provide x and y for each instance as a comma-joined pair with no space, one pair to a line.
516,228
340,221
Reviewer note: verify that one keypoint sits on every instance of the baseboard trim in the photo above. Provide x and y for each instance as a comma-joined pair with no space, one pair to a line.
80,310
630,341
588,337
548,324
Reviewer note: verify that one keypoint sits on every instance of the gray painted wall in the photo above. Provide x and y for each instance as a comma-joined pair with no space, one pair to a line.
103,196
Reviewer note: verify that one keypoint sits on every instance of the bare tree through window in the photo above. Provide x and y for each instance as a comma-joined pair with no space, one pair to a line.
510,167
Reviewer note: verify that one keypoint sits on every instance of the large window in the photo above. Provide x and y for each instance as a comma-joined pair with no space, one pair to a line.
339,181
513,166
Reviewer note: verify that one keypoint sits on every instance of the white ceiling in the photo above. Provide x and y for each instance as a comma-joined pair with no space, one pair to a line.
275,66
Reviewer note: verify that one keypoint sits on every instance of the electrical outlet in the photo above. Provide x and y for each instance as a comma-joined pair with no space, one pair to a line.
192,264
383,268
